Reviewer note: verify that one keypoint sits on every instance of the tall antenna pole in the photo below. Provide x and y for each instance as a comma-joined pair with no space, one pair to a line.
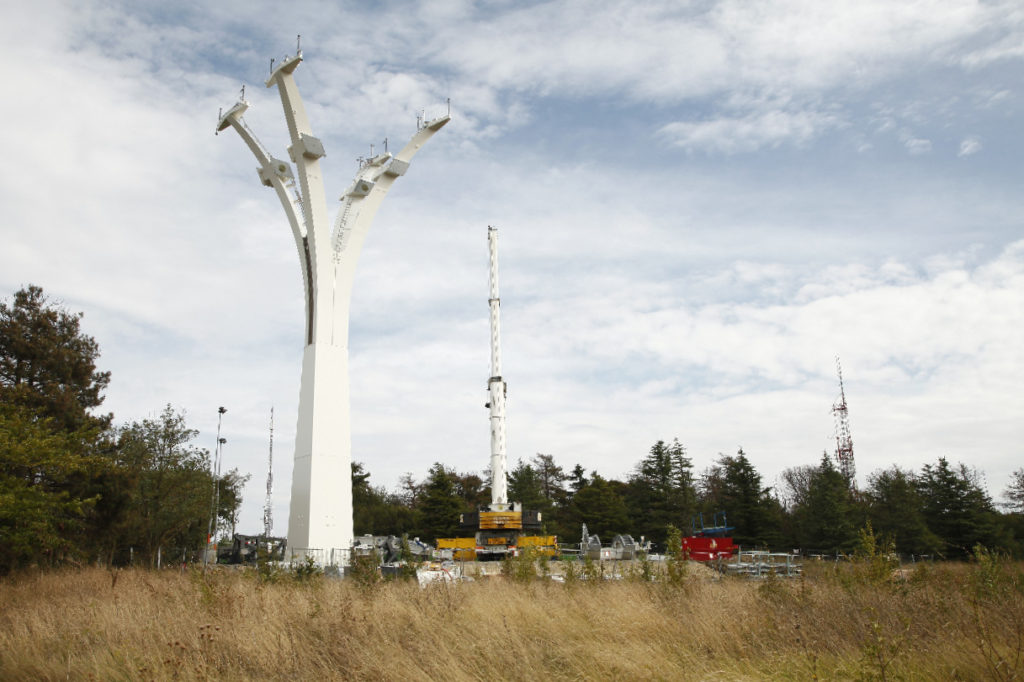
496,387
268,506
844,442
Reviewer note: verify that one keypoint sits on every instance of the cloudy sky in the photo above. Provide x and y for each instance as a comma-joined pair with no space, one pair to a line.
700,204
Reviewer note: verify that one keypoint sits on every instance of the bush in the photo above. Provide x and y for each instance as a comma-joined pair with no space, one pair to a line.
305,570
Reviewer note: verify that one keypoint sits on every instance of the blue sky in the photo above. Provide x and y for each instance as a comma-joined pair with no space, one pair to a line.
700,205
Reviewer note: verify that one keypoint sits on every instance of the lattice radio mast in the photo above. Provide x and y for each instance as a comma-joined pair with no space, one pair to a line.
844,442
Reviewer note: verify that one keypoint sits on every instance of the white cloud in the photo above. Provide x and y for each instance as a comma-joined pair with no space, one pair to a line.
663,50
917,145
969,146
748,133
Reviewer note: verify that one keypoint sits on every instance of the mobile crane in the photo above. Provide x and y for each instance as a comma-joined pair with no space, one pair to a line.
502,528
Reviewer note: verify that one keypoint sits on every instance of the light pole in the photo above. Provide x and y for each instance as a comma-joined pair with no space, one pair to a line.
215,496
216,489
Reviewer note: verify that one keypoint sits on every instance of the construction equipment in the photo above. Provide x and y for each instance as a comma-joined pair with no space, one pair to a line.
499,532
502,528
247,549
708,543
389,548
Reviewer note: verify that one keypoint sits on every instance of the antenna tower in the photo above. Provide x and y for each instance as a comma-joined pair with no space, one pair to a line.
844,442
268,506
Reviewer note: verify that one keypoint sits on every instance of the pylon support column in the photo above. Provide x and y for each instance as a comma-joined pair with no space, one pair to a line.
320,514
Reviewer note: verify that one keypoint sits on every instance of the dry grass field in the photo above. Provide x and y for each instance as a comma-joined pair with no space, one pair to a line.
942,622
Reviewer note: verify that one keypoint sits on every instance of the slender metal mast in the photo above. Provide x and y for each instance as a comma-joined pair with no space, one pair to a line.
268,506
844,442
496,387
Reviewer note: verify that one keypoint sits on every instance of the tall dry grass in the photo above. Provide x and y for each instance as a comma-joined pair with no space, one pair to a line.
944,622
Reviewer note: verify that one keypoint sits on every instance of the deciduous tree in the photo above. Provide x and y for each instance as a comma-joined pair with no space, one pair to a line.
171,485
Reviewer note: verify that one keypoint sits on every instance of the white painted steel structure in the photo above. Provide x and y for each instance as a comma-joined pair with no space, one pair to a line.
496,388
320,515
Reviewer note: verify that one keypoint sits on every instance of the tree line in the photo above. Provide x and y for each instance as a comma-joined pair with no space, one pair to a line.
941,511
74,486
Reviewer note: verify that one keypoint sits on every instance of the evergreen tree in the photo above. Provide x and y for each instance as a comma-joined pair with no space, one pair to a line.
956,508
525,487
44,520
378,512
577,479
895,509
47,364
364,502
471,488
551,478
826,521
598,505
733,486
1014,493
54,463
661,491
684,492
440,504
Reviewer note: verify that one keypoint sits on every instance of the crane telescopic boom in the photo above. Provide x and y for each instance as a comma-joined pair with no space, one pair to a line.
502,528
496,387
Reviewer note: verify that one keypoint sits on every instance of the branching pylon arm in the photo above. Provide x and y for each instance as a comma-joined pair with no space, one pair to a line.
277,174
362,199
